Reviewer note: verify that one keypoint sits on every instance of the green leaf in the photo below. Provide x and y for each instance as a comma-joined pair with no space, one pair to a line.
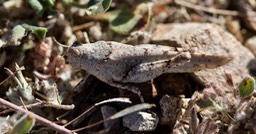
246,87
24,125
18,32
38,31
126,20
48,3
37,6
66,1
41,5
131,109
98,6
205,103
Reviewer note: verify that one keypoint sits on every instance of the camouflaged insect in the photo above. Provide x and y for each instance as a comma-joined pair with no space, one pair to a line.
119,64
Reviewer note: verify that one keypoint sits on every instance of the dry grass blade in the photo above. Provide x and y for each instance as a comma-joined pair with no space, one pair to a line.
122,100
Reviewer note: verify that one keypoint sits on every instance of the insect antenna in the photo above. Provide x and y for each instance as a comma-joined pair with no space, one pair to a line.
64,46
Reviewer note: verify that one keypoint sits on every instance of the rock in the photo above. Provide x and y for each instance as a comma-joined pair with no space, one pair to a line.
141,121
251,44
209,39
170,110
106,112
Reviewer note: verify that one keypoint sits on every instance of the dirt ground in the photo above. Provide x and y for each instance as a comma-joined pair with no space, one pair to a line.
127,66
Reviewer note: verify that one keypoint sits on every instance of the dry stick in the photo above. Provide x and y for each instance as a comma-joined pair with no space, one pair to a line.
70,122
206,9
38,118
82,26
23,104
43,104
22,68
92,125
27,106
5,79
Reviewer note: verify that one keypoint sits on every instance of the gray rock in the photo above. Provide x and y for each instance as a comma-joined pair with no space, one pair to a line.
141,121
209,39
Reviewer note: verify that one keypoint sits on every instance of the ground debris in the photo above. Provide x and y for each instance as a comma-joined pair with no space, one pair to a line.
141,121
211,39
177,55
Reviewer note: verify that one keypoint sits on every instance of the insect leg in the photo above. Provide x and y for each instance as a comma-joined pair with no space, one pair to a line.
150,70
128,88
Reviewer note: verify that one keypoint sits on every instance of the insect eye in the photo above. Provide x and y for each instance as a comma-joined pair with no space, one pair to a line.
76,43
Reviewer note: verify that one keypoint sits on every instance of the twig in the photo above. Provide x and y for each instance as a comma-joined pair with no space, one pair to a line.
124,100
92,125
82,26
38,118
42,76
12,74
42,104
65,107
23,104
206,9
70,122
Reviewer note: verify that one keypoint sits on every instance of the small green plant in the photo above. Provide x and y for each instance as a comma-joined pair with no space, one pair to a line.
227,109
98,6
40,6
247,86
24,125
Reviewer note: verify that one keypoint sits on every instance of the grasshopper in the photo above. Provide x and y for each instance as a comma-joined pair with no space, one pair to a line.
119,64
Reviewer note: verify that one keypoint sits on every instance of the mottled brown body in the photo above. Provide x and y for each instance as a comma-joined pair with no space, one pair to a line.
119,64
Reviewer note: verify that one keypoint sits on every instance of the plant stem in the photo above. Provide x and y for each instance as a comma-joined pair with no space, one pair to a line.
38,118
